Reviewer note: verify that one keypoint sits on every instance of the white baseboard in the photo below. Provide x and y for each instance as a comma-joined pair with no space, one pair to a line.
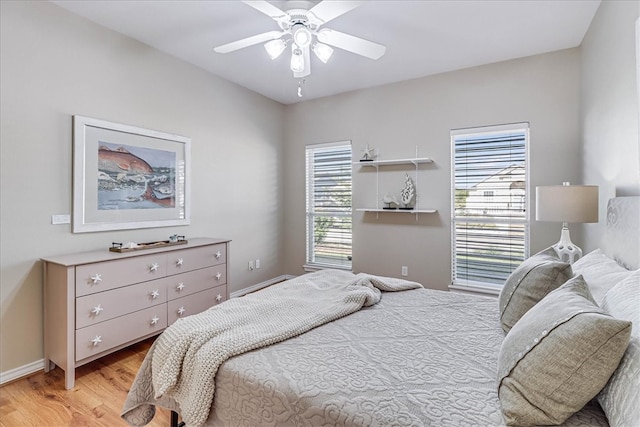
38,365
260,285
21,371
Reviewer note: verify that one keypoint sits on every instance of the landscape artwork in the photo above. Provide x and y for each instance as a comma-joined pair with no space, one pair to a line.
131,177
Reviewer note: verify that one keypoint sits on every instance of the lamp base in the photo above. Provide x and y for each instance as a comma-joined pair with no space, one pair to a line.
565,248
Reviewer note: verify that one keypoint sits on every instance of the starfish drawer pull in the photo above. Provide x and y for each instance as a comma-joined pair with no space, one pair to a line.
155,294
179,261
218,275
97,340
97,309
154,320
219,298
181,311
180,286
218,255
154,266
96,278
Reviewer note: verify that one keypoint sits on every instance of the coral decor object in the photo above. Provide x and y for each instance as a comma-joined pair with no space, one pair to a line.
408,192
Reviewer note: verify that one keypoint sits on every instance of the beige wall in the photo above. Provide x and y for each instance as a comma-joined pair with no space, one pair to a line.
543,90
610,147
54,65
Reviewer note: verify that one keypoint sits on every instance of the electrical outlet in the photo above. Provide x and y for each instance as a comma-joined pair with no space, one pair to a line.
405,270
257,263
250,265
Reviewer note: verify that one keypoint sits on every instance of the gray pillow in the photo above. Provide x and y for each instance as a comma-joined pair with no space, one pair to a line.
558,356
529,283
620,398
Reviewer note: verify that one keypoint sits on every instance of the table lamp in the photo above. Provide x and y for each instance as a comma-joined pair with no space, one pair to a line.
567,203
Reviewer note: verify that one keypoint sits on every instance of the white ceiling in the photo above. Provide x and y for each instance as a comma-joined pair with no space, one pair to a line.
422,38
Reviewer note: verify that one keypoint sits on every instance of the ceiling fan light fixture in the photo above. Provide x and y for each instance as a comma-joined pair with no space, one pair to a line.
275,48
300,27
301,35
297,60
322,51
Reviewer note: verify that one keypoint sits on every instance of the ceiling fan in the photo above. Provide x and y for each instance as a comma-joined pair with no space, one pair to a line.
299,24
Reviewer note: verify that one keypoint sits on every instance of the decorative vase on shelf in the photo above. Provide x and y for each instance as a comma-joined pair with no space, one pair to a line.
408,193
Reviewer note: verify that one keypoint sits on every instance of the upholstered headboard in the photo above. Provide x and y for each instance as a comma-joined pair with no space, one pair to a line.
622,235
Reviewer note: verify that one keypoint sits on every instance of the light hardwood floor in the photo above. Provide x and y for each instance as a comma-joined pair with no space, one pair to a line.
96,400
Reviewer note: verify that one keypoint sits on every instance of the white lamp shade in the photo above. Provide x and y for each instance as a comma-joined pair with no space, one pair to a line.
567,203
301,35
323,51
275,48
297,60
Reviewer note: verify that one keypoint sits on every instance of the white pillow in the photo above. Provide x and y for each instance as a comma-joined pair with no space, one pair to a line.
600,272
619,398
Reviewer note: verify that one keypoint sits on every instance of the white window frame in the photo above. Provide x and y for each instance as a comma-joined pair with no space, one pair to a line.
477,286
311,262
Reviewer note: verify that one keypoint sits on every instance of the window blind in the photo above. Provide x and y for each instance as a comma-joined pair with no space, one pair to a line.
328,204
490,220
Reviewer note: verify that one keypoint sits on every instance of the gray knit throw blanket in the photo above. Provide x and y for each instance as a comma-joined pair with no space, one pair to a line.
188,354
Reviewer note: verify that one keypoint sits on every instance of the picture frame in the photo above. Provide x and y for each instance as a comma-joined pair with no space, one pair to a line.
126,177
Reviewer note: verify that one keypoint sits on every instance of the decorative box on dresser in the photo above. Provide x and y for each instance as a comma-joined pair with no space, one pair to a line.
98,302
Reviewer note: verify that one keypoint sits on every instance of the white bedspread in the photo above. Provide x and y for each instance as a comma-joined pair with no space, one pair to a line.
184,360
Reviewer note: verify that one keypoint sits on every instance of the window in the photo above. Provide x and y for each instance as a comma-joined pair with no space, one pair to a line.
328,183
490,219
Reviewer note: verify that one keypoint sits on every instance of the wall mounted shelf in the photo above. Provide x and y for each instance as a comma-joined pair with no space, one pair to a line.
413,161
411,211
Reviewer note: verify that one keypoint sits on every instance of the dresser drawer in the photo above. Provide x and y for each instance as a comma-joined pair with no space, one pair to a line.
185,284
102,276
192,259
102,306
195,303
103,336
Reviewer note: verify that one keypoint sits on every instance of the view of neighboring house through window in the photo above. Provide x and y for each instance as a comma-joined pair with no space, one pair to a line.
328,183
490,215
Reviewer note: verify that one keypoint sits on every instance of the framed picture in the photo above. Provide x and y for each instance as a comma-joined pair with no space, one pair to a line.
126,177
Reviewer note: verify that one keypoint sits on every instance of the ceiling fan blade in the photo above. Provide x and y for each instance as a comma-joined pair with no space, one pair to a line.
266,8
249,41
307,64
351,43
325,11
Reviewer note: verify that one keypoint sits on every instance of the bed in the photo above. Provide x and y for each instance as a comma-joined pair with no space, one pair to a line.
422,357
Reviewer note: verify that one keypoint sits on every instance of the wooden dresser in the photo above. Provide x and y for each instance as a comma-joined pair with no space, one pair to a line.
98,302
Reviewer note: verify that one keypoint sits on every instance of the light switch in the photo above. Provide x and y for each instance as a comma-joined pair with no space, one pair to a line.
61,219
